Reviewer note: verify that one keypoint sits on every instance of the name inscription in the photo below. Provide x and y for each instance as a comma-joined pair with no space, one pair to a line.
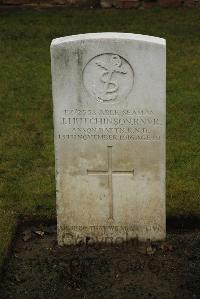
104,124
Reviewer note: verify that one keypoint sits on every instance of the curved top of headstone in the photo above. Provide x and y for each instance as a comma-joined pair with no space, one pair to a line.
108,35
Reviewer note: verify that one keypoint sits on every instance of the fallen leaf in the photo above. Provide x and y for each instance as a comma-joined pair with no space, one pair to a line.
39,233
27,235
169,247
166,247
150,250
51,229
188,253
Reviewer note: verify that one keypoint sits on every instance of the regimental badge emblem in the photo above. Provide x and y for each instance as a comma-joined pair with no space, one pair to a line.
108,78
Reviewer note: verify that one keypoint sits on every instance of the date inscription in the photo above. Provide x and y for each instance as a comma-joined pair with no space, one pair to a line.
107,125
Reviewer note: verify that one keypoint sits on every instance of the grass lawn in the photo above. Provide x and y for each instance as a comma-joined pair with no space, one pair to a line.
27,151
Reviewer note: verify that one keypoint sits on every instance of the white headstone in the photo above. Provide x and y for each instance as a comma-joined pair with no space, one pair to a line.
109,124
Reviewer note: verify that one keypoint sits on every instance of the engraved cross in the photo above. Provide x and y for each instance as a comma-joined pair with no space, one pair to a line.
109,173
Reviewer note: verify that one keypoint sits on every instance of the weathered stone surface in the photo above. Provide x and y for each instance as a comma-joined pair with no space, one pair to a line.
109,122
